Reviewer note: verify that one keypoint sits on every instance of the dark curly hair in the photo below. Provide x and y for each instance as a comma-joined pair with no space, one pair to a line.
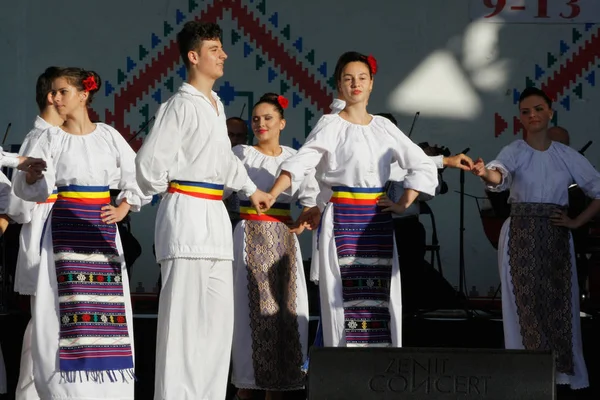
191,37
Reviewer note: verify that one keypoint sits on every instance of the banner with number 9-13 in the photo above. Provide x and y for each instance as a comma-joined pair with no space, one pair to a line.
536,11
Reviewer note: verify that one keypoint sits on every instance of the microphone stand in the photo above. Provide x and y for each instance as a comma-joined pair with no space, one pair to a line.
584,148
141,129
6,132
413,123
461,254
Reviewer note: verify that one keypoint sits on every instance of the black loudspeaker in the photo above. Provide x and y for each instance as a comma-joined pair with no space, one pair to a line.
338,373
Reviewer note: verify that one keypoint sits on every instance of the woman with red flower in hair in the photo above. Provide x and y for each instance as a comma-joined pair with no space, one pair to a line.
82,339
270,339
352,151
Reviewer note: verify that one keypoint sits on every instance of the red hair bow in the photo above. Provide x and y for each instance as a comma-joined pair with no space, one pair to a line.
89,83
373,64
283,102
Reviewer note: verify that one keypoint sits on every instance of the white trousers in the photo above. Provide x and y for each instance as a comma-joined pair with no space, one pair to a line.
26,386
195,330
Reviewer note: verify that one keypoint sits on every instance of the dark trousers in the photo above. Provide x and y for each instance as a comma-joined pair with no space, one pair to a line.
410,244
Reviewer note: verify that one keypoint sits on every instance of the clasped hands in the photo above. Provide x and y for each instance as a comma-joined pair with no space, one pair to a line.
309,218
33,167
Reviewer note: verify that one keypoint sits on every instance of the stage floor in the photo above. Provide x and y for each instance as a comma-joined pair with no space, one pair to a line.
442,329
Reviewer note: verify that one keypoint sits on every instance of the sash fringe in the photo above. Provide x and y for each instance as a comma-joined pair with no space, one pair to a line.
99,377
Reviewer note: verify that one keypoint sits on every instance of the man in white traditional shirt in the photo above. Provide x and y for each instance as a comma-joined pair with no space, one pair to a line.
187,157
32,217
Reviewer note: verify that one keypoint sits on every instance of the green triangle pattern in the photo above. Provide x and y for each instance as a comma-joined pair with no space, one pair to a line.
146,128
308,115
332,83
576,35
262,7
145,110
286,32
167,29
259,62
121,76
169,83
192,5
284,87
307,130
555,118
529,82
578,90
311,57
551,60
143,52
235,37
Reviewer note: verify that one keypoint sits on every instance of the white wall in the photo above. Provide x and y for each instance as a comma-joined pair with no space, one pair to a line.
432,58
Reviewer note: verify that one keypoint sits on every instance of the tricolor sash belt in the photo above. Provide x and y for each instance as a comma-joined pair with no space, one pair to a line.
51,198
202,190
279,212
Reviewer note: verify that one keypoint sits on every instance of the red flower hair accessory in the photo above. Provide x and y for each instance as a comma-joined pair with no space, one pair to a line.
283,102
89,83
372,63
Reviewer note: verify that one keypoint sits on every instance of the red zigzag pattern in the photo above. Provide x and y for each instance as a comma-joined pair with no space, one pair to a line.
166,61
152,73
573,68
562,79
288,65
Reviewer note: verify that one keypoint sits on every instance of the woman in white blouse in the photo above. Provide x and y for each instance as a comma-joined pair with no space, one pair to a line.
352,151
540,296
82,340
270,298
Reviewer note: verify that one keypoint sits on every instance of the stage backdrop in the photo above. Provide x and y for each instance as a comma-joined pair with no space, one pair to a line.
460,63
